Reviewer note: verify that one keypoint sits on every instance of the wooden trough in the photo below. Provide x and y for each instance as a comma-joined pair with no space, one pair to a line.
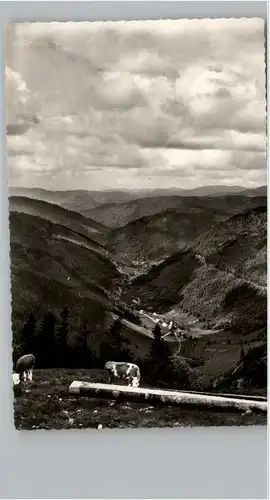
151,395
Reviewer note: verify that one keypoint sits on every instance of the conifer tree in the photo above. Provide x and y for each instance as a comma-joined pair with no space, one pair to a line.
27,335
62,332
158,364
112,349
46,350
81,355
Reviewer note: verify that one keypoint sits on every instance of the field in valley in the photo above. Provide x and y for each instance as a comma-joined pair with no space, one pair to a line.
46,404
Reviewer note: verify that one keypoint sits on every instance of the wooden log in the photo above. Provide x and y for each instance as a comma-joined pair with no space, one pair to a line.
151,395
225,395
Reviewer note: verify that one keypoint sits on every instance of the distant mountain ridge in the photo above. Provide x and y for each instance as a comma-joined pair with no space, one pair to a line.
119,215
83,200
77,200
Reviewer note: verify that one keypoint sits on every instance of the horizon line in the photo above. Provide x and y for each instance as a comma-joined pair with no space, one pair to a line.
141,189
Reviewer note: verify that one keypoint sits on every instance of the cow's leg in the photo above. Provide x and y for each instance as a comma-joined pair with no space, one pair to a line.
24,376
30,375
135,382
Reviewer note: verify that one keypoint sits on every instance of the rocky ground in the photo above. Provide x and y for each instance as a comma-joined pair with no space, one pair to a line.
46,404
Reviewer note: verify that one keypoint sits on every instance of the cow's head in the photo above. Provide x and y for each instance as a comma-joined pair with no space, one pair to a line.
109,365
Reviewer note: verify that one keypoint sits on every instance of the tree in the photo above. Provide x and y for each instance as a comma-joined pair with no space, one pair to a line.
158,364
62,332
112,349
46,350
27,335
81,355
157,332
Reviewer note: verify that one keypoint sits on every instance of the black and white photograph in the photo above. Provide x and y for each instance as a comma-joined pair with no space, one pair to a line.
136,156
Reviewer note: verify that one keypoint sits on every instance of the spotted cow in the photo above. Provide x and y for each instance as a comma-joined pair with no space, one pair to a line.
123,371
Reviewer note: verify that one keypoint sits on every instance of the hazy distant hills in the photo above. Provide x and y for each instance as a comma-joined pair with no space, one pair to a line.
82,200
77,200
260,191
120,214
225,190
219,278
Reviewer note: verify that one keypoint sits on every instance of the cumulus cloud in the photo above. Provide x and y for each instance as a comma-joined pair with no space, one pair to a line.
136,104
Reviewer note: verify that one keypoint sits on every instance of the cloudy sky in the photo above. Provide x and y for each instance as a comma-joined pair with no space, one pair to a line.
136,104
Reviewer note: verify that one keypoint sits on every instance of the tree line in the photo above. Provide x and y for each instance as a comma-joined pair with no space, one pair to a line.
49,340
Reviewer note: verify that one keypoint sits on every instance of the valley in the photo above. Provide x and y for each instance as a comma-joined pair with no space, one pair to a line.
197,261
